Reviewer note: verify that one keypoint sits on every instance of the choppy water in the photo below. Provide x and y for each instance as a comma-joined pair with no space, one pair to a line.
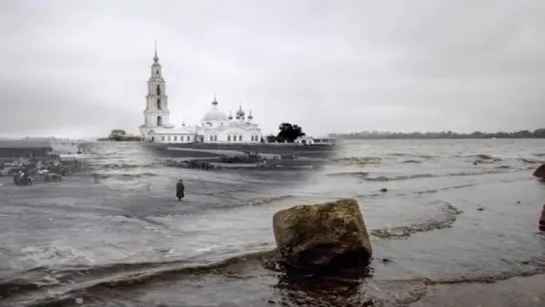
126,241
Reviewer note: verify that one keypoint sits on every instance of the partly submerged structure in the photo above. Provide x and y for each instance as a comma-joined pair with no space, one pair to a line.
12,149
216,127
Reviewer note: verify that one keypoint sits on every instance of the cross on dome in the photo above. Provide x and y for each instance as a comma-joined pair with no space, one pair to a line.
215,101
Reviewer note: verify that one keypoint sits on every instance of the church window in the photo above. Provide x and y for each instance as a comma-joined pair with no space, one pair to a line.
175,138
169,138
188,138
159,121
159,106
158,90
163,138
157,72
240,138
229,138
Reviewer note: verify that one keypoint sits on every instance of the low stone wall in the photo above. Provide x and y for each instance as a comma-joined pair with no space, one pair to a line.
194,150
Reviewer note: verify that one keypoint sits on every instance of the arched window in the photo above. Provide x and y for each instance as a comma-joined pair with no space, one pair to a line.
157,72
159,121
159,106
158,90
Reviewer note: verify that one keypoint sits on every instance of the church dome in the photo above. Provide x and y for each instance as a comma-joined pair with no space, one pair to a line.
214,114
240,112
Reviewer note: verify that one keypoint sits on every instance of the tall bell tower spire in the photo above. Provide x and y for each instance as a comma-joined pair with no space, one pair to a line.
156,58
156,114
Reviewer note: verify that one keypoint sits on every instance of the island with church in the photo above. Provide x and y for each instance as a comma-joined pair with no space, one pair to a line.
218,134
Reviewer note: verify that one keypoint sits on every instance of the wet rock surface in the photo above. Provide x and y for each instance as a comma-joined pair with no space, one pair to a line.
322,237
540,172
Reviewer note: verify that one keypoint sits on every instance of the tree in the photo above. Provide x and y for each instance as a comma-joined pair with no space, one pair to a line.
271,138
120,135
289,132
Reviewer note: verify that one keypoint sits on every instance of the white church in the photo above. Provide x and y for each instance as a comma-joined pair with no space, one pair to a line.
215,127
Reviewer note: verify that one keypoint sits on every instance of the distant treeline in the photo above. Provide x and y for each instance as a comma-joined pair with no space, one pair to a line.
522,134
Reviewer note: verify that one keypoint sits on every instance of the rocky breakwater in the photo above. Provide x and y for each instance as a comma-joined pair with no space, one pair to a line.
322,238
540,172
191,164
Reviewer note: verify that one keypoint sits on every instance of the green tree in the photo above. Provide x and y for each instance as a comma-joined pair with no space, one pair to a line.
289,132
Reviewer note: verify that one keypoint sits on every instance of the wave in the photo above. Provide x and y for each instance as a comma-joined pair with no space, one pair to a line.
350,174
115,281
126,165
530,161
358,160
399,154
411,161
402,232
83,280
265,200
125,176
461,186
427,175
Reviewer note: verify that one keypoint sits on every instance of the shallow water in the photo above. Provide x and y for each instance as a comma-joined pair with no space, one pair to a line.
75,239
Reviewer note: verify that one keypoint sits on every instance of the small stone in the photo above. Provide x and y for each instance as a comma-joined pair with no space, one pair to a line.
384,190
480,208
79,300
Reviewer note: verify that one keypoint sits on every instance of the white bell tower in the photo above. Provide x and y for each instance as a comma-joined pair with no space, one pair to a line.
156,114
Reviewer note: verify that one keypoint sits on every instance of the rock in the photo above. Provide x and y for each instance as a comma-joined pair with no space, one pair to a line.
384,190
540,171
542,219
322,237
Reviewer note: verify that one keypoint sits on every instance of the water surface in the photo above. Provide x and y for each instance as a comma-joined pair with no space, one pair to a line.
86,243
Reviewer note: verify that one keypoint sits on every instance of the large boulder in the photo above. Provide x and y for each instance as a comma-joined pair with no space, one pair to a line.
322,237
540,171
542,219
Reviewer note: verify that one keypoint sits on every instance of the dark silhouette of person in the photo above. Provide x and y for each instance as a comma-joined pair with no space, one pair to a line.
180,188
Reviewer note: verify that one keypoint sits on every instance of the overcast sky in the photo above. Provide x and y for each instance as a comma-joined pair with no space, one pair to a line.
79,68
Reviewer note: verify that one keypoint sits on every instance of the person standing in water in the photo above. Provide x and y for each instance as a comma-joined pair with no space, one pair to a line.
180,188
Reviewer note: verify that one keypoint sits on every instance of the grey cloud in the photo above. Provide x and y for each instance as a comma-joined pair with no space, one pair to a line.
82,66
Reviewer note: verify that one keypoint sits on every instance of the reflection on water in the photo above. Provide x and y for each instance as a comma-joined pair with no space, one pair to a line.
124,239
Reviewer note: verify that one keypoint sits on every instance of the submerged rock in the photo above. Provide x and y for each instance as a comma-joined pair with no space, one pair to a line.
540,171
542,219
322,237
